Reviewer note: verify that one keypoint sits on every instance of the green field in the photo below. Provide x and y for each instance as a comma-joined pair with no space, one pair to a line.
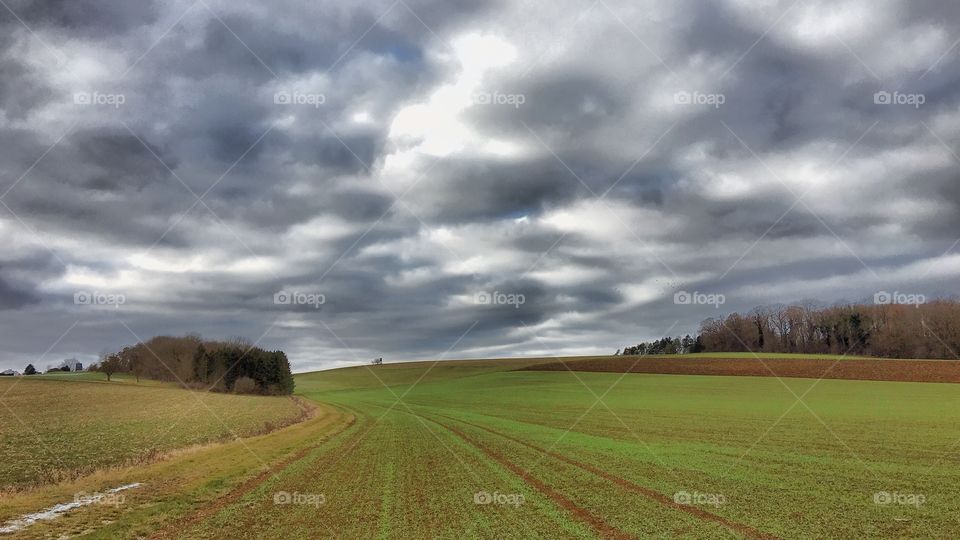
775,466
95,376
475,449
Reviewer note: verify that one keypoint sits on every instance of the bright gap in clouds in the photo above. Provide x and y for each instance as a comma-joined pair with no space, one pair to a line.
435,127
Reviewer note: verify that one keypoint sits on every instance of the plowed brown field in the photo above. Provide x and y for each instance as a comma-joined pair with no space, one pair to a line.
827,368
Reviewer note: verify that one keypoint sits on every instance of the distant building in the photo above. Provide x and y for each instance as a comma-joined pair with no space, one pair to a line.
72,364
9,373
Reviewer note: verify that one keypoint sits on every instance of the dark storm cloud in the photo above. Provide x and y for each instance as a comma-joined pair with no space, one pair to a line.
119,160
574,102
276,212
303,38
941,191
471,190
21,88
358,205
13,298
495,198
101,181
338,153
928,11
421,334
19,279
92,18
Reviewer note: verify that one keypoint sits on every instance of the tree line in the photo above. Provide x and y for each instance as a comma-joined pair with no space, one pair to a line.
667,345
927,330
219,366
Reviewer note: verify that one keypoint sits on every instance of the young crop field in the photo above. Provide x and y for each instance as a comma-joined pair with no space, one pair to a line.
95,376
485,449
500,453
54,430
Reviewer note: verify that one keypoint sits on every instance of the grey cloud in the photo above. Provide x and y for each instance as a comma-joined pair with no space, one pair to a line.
306,207
13,298
571,101
469,190
21,89
92,18
120,160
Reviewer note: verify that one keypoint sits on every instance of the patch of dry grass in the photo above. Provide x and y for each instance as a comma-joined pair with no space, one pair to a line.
55,430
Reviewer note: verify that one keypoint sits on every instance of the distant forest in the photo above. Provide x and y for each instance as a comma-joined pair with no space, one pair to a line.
219,366
926,330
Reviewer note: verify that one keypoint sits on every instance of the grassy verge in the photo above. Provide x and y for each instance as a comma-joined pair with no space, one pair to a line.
174,488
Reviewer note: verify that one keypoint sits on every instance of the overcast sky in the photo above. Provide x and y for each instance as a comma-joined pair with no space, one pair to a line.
416,179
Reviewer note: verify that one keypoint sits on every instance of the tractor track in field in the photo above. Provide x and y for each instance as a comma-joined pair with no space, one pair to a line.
653,495
597,523
213,507
604,529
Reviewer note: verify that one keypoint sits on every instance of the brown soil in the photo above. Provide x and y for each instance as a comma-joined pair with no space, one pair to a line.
943,371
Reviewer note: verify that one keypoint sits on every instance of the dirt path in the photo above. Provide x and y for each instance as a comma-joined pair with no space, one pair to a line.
655,496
